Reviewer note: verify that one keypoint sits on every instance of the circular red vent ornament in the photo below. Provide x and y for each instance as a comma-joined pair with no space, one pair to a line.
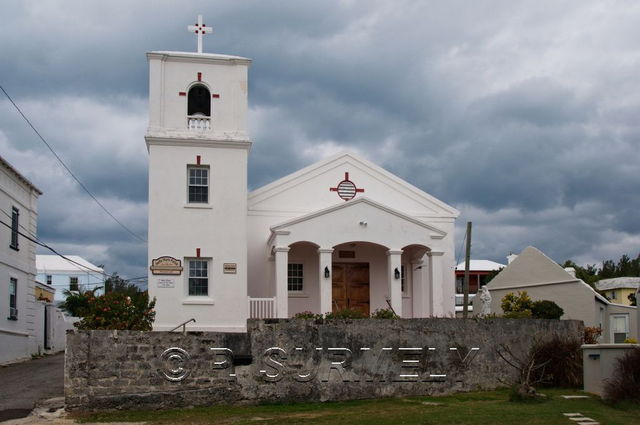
346,188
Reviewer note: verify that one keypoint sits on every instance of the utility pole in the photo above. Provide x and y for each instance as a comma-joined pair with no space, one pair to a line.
467,260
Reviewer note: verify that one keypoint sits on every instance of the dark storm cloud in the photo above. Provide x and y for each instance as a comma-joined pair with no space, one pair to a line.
521,114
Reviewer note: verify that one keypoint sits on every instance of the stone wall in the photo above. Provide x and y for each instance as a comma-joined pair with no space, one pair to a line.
295,360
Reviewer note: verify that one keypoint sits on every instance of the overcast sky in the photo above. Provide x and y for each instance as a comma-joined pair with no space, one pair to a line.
523,115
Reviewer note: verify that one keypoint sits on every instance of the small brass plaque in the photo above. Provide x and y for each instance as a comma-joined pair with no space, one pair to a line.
230,268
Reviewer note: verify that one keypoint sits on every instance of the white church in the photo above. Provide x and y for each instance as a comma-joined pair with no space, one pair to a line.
340,233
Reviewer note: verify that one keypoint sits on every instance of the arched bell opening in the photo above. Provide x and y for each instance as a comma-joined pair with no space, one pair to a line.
199,101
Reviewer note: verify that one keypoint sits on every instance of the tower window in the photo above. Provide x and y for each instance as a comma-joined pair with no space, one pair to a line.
199,101
198,185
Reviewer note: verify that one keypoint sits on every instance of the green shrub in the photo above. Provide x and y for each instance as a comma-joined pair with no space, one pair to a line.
383,313
526,314
307,315
545,309
511,303
625,382
346,313
117,310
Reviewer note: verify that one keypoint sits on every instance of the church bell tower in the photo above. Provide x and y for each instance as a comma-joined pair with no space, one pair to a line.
198,148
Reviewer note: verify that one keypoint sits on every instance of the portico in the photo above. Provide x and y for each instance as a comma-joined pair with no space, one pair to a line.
360,255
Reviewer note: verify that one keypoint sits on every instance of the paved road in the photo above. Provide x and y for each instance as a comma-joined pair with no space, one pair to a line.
23,384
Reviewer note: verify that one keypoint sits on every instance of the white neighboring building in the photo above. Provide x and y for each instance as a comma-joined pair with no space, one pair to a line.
340,233
544,279
19,205
75,275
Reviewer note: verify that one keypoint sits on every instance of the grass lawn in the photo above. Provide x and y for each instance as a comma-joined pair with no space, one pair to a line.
469,408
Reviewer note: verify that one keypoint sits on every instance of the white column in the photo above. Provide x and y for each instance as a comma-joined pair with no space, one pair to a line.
324,260
394,262
437,309
282,292
419,289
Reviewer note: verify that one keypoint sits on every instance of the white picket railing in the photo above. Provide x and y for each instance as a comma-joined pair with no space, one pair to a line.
262,308
195,122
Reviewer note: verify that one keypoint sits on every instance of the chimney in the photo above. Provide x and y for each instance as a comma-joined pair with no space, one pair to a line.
511,257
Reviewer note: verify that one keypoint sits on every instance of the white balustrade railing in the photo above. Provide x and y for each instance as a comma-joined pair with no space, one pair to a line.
262,308
198,123
460,301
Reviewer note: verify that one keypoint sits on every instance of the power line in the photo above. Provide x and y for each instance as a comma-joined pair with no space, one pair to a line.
131,232
39,242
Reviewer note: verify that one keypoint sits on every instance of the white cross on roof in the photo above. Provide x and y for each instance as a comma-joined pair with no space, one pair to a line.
200,29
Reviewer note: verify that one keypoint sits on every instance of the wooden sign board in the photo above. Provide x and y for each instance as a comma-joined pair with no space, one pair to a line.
230,268
166,266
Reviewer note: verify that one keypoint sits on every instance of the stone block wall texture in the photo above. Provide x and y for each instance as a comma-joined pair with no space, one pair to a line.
305,360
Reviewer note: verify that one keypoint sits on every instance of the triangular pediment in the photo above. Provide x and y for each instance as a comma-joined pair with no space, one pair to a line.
359,220
437,233
308,190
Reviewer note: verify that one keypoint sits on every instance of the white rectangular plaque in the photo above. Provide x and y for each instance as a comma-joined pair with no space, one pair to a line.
166,283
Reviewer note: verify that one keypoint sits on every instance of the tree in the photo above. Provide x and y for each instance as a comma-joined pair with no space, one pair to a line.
115,283
77,303
117,310
492,274
587,274
122,307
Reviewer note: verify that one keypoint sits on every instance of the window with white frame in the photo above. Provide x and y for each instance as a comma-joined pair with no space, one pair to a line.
198,184
198,278
13,299
73,283
49,279
613,294
295,277
619,328
15,222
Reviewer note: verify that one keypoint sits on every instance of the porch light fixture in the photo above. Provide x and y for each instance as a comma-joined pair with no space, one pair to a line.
327,273
396,273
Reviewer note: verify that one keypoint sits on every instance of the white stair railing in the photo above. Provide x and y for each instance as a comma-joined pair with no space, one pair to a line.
262,308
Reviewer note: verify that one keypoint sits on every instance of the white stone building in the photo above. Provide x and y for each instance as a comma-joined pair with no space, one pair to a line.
19,214
75,275
340,233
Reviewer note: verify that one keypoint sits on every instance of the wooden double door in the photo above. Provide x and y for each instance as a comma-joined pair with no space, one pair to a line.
350,287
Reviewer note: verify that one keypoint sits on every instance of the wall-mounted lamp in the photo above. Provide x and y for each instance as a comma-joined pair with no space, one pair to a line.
327,273
396,273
